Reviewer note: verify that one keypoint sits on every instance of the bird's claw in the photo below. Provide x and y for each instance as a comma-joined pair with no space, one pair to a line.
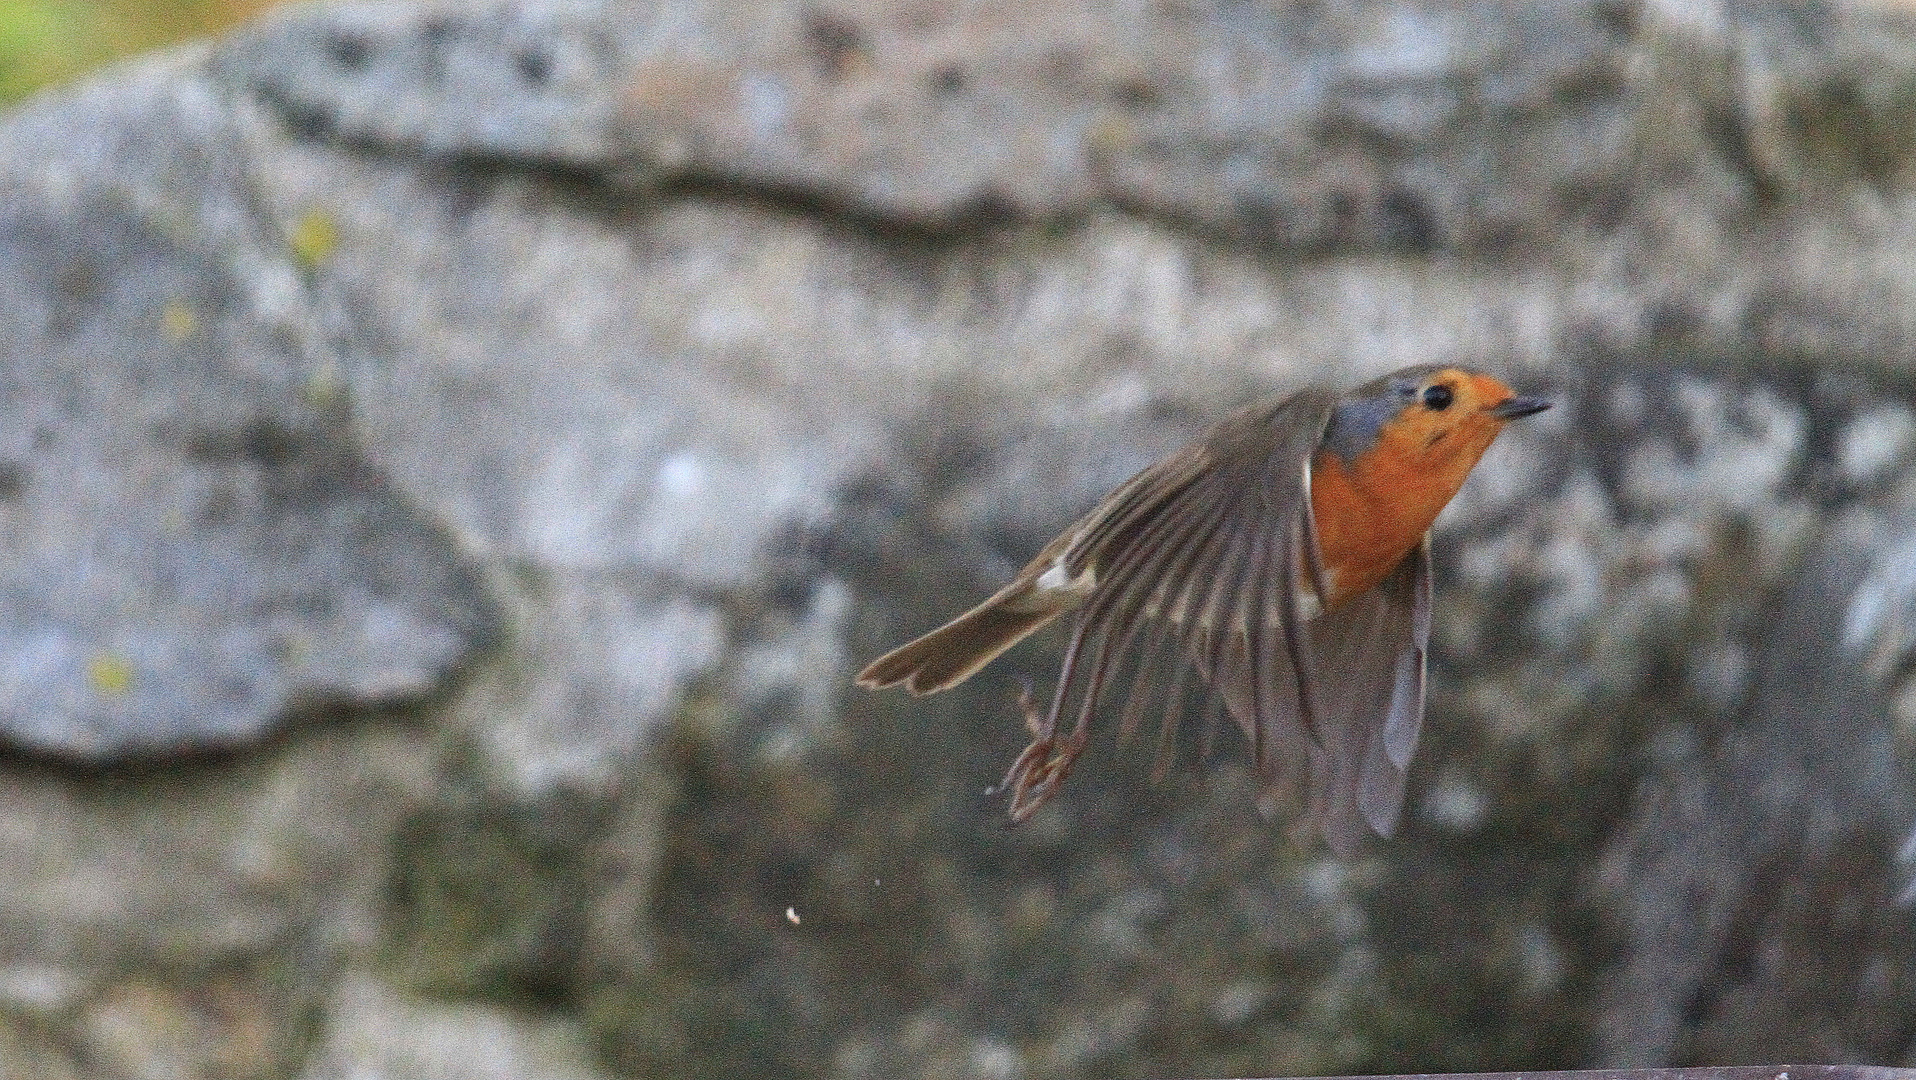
1036,773
1034,717
1039,768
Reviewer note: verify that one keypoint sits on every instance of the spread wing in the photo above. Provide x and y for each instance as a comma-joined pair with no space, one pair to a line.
1369,658
1193,565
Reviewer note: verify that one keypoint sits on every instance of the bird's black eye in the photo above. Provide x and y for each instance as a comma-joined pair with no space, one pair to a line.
1437,398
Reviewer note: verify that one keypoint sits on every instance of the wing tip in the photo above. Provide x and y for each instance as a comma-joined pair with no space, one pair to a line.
921,667
955,651
892,670
878,675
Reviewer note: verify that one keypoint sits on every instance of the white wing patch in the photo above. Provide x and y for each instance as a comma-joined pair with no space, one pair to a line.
1309,604
1309,607
1054,578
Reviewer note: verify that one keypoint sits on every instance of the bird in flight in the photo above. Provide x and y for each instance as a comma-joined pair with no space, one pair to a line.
1283,559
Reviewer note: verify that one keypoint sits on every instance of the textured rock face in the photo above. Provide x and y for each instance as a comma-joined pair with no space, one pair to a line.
453,460
193,549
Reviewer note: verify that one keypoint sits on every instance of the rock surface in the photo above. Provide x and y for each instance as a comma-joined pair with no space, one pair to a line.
455,457
376,1034
194,549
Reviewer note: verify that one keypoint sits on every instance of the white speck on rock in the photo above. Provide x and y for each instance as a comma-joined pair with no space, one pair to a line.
992,1058
1457,804
1880,622
681,475
1873,442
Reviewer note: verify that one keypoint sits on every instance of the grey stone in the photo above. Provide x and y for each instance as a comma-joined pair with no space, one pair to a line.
228,864
1304,127
221,1026
26,1055
38,990
186,922
1373,124
193,549
1795,799
593,672
725,348
376,1033
1875,442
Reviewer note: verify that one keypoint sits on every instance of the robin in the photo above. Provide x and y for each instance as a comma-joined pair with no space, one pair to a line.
1284,559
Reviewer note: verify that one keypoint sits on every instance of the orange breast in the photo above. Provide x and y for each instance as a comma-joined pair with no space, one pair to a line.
1371,513
1373,509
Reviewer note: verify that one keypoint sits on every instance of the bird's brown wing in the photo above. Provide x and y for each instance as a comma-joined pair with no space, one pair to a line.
1369,655
955,651
1194,561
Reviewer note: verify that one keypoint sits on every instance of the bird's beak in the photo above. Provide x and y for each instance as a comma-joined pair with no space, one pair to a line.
1512,408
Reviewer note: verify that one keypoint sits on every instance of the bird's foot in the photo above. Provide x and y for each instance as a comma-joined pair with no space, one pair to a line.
1035,774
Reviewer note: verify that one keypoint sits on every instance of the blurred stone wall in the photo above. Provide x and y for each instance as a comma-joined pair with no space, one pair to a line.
452,459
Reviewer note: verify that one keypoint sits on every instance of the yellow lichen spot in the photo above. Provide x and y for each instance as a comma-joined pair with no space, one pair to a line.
313,238
1108,137
292,651
177,320
110,674
324,389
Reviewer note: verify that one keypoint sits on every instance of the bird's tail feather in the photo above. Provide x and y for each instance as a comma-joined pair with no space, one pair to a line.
950,654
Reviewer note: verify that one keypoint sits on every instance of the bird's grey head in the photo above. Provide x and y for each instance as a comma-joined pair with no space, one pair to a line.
1357,420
